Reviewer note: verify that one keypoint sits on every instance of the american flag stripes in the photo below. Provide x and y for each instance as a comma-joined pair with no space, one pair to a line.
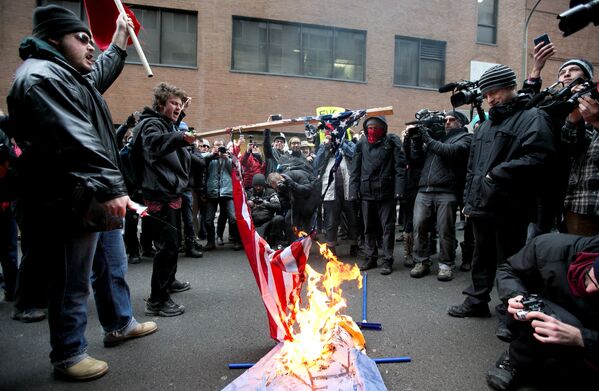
278,273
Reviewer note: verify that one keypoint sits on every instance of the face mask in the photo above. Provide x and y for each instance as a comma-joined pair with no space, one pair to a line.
374,134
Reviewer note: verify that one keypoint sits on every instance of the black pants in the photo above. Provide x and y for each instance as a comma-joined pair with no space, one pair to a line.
272,230
377,214
167,248
495,240
333,213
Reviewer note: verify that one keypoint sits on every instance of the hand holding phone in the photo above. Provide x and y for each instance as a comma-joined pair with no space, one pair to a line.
542,39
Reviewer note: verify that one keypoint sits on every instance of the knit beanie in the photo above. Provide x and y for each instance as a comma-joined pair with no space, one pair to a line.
587,67
459,116
259,180
496,77
53,21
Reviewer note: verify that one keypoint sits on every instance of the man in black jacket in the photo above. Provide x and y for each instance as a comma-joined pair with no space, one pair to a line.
441,183
264,203
508,153
167,164
556,343
377,179
73,196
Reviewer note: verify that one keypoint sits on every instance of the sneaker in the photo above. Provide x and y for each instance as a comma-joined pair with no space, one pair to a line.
179,286
114,338
29,315
220,241
420,269
445,273
386,269
502,376
87,369
165,308
368,264
466,310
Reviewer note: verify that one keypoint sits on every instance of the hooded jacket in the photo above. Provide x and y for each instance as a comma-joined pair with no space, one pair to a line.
509,155
167,160
378,171
65,130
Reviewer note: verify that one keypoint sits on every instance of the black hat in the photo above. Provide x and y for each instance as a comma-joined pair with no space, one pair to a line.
52,21
280,136
459,116
496,77
259,180
587,67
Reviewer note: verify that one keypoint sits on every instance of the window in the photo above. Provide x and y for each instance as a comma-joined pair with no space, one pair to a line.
419,62
487,22
298,49
168,37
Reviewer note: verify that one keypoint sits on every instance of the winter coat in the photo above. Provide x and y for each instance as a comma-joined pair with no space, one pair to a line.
301,192
70,157
378,171
219,183
266,204
509,153
445,161
271,155
251,166
541,267
167,159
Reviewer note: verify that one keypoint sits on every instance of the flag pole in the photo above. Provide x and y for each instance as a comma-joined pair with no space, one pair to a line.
138,49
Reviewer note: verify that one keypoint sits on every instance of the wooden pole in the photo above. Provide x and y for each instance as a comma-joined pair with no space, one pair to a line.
388,110
138,49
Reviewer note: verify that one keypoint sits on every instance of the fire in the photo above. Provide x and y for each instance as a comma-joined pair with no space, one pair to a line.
318,325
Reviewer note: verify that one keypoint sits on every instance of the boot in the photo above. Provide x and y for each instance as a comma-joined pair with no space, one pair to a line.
408,246
191,249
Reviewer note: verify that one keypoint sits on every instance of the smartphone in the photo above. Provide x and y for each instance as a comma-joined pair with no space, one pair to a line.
542,38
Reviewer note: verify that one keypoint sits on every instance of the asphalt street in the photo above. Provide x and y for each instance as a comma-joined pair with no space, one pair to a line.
225,322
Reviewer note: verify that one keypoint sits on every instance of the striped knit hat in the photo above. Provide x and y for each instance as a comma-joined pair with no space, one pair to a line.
496,77
587,67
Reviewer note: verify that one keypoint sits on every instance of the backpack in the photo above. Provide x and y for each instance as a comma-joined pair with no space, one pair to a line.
132,160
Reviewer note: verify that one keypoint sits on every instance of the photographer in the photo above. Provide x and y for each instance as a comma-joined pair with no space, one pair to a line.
441,183
251,163
557,337
264,203
300,191
508,153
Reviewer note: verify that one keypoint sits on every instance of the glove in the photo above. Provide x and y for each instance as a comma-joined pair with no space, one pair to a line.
426,137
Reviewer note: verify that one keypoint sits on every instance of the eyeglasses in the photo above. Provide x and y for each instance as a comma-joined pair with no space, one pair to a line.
588,275
84,38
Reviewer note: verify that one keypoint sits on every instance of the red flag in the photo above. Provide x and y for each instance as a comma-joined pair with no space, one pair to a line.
102,16
278,273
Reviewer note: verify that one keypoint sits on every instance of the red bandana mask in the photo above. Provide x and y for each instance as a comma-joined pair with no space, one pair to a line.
374,134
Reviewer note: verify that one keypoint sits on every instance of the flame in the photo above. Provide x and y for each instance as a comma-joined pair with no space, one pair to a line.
318,324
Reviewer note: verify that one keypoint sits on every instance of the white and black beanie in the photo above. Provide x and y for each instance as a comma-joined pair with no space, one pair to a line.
587,67
496,77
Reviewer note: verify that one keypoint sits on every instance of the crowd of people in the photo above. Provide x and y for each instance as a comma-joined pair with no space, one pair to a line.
526,179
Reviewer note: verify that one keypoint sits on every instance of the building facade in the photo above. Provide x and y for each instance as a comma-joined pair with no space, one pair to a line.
243,60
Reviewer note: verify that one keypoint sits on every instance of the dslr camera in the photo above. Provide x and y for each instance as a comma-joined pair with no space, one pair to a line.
431,121
222,150
531,302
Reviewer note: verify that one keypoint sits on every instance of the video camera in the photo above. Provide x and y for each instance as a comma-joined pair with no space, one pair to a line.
464,92
565,98
580,14
431,121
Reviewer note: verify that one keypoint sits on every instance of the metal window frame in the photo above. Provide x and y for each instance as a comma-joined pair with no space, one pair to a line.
442,60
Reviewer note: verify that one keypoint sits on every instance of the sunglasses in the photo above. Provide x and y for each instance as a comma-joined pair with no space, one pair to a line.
84,38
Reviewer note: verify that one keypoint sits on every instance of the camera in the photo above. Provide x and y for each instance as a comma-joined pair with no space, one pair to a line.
531,302
465,92
257,200
566,99
431,121
222,150
579,16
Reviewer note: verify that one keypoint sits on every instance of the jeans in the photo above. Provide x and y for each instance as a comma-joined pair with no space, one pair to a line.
333,211
226,208
99,257
426,207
